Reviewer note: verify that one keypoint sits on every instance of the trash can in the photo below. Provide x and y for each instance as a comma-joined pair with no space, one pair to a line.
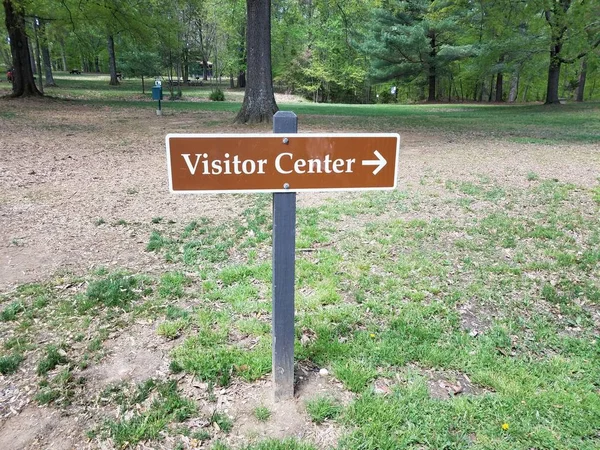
157,93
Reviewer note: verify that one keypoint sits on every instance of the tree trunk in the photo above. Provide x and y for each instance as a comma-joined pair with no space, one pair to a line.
231,83
178,69
525,92
241,79
204,69
431,89
143,85
63,55
553,81
23,82
581,84
259,101
186,72
32,57
491,93
514,87
97,64
499,87
112,64
46,56
38,56
432,74
185,65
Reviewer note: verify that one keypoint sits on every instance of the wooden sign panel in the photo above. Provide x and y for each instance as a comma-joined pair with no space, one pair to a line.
214,163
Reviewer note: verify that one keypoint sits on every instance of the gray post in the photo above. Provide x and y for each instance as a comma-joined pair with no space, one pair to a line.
284,248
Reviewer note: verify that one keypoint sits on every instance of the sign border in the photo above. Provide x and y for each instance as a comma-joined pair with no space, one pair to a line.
280,136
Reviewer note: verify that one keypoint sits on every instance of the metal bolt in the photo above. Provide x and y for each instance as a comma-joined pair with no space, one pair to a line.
286,186
286,140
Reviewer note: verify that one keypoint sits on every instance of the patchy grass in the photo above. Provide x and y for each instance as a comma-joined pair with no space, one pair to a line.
146,422
321,409
9,364
285,444
54,356
11,311
221,421
262,413
504,297
389,291
116,290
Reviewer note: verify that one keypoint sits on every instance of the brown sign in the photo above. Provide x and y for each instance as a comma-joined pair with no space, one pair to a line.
281,163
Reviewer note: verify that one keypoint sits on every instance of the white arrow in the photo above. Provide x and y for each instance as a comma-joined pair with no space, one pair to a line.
380,162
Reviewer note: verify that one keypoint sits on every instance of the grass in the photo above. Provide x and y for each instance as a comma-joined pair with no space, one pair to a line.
262,413
376,310
524,124
148,423
54,357
221,421
285,444
321,409
11,311
10,363
116,290
502,296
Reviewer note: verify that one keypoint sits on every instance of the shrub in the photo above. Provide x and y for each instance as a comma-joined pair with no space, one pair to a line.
217,95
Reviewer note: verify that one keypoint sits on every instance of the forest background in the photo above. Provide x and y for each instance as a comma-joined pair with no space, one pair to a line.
353,51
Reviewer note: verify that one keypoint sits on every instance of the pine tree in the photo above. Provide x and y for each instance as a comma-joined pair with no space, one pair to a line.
413,39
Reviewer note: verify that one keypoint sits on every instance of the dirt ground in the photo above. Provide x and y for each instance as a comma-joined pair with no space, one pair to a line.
66,168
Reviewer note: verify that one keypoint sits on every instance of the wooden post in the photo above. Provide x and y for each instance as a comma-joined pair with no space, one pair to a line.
284,248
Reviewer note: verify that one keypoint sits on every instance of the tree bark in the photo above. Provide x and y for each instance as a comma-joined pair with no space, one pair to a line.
582,77
185,62
38,55
63,54
204,69
555,19
514,87
499,87
553,76
259,101
31,56
46,56
23,82
432,73
241,80
431,89
112,61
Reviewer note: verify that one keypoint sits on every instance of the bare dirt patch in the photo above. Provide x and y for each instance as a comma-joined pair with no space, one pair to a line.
288,419
79,185
133,356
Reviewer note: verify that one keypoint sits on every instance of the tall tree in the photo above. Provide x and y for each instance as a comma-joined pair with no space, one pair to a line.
581,81
112,60
23,80
315,48
412,38
567,20
259,100
46,54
